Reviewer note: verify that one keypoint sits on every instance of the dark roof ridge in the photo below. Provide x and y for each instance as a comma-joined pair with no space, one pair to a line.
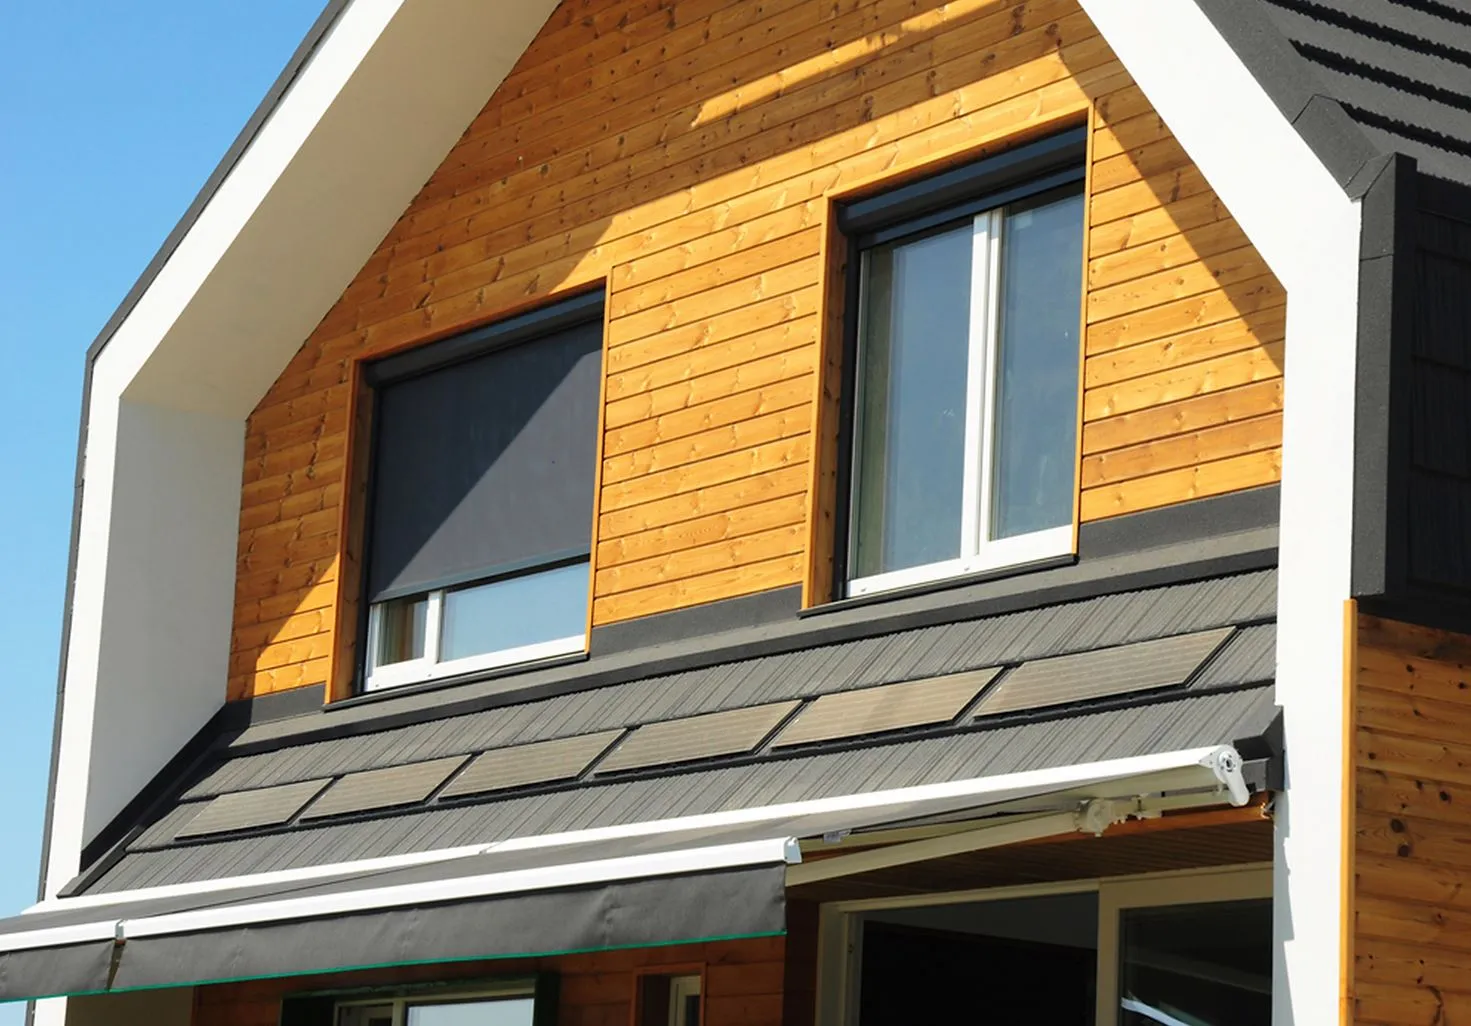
1291,83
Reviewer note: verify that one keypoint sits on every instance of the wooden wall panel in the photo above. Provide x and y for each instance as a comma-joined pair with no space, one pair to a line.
683,152
1185,325
1412,859
743,984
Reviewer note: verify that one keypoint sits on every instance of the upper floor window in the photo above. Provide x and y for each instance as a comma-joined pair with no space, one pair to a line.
966,370
480,497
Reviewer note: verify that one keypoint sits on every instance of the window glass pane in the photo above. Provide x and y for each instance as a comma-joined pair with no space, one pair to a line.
1037,372
401,628
911,442
1013,962
1201,965
518,611
365,1015
513,1012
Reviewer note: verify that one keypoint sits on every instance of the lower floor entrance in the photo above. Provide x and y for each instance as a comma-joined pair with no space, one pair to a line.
1180,949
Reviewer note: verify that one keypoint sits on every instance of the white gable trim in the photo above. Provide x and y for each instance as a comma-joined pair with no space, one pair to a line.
1307,229
362,125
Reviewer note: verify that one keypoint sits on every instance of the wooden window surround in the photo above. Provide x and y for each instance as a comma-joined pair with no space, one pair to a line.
967,186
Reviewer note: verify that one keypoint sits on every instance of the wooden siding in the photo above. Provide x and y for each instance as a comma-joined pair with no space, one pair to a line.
743,984
684,151
1412,864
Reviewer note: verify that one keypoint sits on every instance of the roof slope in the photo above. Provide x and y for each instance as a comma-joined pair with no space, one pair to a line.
1118,675
1400,70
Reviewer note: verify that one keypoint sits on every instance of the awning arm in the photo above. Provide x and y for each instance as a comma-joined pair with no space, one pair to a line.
1092,816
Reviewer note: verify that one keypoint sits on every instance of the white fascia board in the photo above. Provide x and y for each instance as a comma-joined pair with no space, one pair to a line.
1214,768
1307,229
365,121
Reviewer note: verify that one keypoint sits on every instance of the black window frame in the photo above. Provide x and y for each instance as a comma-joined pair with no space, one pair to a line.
525,328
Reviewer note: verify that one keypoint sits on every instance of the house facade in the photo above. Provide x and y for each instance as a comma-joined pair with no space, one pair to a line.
797,512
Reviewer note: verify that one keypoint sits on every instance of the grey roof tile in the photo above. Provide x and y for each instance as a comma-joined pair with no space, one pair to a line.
1248,658
1186,721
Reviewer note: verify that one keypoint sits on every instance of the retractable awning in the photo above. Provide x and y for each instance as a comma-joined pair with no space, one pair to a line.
715,876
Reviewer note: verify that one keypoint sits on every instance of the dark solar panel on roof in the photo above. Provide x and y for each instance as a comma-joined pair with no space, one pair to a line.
1111,671
544,762
697,737
891,707
383,788
244,810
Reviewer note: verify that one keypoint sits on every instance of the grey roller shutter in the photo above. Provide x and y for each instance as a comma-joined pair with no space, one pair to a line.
485,465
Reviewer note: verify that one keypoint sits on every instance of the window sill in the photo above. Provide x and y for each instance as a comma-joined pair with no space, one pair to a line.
440,683
937,584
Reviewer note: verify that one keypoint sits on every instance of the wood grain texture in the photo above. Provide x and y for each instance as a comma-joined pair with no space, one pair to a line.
1412,810
744,984
685,152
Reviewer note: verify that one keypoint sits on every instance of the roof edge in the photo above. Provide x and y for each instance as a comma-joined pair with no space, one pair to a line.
1290,83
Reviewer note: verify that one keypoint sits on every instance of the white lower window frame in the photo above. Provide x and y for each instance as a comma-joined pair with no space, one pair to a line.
428,667
681,989
979,553
840,925
1005,554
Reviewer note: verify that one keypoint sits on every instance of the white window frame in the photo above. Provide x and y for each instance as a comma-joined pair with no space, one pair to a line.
681,988
428,667
840,924
399,1005
978,554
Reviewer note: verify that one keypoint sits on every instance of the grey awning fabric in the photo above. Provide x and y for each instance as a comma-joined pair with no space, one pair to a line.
622,892
705,906
695,878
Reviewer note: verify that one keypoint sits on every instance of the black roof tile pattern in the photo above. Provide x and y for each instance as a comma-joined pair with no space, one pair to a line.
1400,69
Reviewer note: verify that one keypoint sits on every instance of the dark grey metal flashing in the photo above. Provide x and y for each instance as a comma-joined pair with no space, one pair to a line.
1382,399
236,150
1412,447
1290,82
747,611
1198,521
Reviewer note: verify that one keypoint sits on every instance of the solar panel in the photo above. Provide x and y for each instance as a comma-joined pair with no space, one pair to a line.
697,737
244,810
543,762
1142,666
383,788
915,703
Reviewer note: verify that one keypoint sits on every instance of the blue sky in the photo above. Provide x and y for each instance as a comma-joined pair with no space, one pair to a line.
112,115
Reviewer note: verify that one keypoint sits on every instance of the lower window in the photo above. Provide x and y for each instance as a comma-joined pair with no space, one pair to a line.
493,1011
1187,949
478,626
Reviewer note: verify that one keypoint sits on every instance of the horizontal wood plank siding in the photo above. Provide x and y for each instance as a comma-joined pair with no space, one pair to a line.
743,984
1412,862
682,152
1182,371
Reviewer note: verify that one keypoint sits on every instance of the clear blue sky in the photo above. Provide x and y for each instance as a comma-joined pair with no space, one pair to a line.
112,115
